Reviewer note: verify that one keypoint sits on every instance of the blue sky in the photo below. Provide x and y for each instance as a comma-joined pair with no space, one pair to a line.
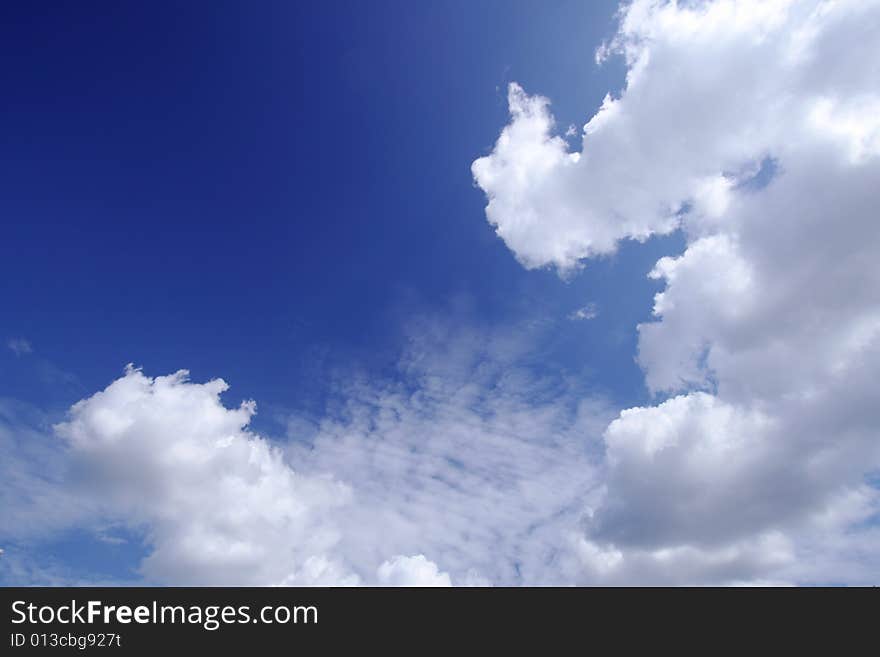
281,195
271,184
267,194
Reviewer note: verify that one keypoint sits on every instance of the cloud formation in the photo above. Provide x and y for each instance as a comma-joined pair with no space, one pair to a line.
411,571
753,127
590,311
712,88
466,468
218,503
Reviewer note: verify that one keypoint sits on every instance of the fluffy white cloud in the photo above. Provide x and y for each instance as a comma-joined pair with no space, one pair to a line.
754,128
412,571
465,459
217,503
712,89
750,126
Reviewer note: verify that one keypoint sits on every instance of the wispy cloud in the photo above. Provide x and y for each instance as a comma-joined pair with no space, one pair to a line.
19,346
469,465
466,467
590,311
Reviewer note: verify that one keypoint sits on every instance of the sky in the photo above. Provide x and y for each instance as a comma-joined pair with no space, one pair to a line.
454,293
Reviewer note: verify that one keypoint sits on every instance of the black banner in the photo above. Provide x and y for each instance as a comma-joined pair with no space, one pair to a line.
149,620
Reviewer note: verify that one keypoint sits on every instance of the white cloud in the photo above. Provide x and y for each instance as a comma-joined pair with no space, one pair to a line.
773,310
32,469
466,460
711,88
218,503
767,336
590,311
471,460
411,571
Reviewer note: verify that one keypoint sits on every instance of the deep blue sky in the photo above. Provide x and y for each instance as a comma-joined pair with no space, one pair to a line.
260,191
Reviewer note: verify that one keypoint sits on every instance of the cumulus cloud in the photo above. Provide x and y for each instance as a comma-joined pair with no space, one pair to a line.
218,503
412,571
467,467
768,328
712,88
752,127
